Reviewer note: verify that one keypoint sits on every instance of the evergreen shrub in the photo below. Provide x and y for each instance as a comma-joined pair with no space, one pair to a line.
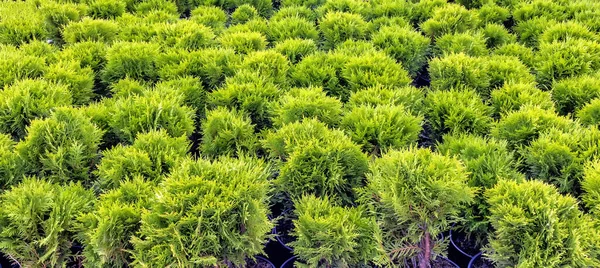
94,30
243,42
411,98
337,27
296,49
300,103
227,132
511,97
451,18
574,93
590,113
591,187
405,45
131,59
292,27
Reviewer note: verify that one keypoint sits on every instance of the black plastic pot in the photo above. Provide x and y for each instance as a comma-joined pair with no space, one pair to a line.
449,261
459,249
289,263
477,256
263,259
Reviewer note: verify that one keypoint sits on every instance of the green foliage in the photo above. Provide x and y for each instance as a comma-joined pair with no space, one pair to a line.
451,18
467,43
10,165
269,64
243,14
151,111
243,42
27,100
590,113
20,23
249,93
295,12
492,13
316,160
496,36
292,27
591,187
416,195
457,111
39,221
312,102
424,10
405,45
522,52
507,70
519,128
16,65
296,49
131,59
151,156
88,54
61,148
95,30
346,6
572,94
227,132
487,161
184,34
411,98
535,226
303,3
529,31
560,60
561,32
155,6
210,16
79,80
329,235
511,97
190,88
106,9
115,220
374,69
337,27
321,69
382,127
459,70
220,208
58,15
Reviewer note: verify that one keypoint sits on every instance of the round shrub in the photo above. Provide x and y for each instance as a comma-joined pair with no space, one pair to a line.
127,88
356,48
295,12
154,7
318,161
61,148
210,16
529,31
106,9
459,70
80,81
27,100
39,221
137,29
21,23
221,205
57,16
493,13
243,42
381,22
151,111
184,34
337,27
591,187
321,69
507,70
131,59
292,27
151,156
521,214
424,10
243,14
375,69
90,30
116,219
88,54
349,235
519,128
467,43
487,161
300,103
194,95
511,97
259,25
415,195
10,165
564,31
571,94
589,114
553,158
411,98
269,64
451,18
496,36
457,111
347,6
560,60
296,49
16,65
303,3
405,45
249,93
227,132
519,51
387,8
380,128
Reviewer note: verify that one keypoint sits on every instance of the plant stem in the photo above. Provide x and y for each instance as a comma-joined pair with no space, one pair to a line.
424,261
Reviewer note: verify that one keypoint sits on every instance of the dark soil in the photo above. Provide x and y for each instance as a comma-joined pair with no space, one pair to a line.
442,263
483,263
259,263
463,243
